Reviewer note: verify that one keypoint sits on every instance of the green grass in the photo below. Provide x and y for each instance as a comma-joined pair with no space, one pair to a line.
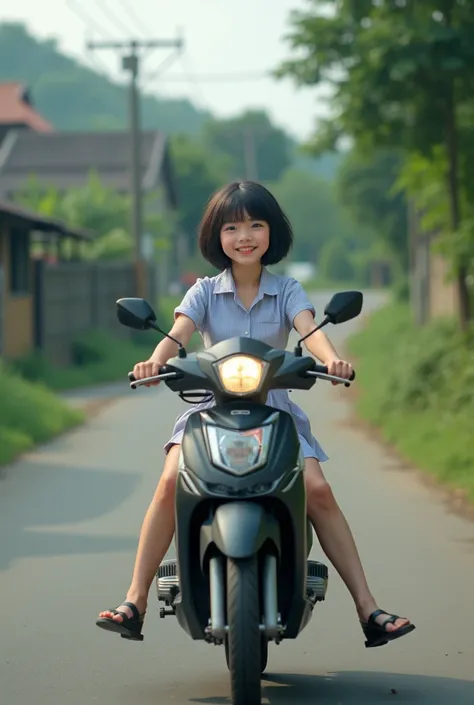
417,387
29,414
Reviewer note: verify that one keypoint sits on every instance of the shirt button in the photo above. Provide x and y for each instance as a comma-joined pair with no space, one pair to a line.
246,332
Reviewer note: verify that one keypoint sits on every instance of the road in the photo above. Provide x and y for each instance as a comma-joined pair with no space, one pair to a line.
70,514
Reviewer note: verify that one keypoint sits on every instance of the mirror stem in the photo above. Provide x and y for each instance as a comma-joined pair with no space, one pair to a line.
181,350
298,349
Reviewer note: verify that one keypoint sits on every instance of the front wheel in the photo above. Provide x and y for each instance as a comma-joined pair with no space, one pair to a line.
263,653
243,643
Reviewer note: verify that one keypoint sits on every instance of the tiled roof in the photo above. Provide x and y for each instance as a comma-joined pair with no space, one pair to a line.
16,110
65,159
40,222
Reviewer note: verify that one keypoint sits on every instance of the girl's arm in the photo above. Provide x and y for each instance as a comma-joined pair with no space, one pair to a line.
319,345
182,330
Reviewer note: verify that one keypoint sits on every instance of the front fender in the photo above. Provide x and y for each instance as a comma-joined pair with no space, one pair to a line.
239,530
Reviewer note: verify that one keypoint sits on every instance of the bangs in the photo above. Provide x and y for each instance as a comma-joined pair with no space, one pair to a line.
243,203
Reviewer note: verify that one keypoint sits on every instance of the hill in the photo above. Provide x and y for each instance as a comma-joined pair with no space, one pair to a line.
74,97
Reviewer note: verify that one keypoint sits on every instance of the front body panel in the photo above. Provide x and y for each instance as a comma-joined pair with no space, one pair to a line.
202,529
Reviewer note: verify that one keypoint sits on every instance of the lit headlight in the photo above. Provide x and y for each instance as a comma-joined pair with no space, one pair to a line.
239,452
241,374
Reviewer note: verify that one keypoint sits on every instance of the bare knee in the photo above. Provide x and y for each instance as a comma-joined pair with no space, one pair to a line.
319,494
166,489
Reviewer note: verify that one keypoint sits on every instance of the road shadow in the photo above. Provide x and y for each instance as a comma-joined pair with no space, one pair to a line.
359,688
49,495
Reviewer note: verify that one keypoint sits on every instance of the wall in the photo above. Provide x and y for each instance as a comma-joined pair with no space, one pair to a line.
73,298
17,309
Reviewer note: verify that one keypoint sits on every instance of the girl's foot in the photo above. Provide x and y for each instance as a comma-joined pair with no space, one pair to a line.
380,627
126,620
364,616
123,609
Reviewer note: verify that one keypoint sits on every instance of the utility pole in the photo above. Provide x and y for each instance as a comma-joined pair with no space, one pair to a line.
131,63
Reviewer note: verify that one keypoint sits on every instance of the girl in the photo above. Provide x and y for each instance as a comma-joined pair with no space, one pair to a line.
242,230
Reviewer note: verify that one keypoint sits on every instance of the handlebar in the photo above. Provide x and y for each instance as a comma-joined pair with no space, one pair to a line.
320,371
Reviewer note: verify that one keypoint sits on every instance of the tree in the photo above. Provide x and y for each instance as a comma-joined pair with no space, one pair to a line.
102,211
311,207
402,73
199,172
257,149
367,187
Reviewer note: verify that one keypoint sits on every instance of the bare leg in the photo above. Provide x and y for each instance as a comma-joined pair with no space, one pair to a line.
338,543
155,537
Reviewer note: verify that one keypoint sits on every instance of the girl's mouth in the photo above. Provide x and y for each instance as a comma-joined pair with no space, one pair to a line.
246,250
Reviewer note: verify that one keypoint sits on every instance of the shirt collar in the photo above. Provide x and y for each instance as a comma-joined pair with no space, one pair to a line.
225,283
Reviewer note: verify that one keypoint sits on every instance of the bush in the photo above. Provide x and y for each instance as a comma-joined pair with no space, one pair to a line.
417,386
29,414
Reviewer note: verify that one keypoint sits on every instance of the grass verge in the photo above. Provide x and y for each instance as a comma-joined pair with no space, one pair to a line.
29,414
416,387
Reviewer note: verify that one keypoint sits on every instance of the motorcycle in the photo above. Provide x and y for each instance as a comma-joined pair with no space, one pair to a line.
241,577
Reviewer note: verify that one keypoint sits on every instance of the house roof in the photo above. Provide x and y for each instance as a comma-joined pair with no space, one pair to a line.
65,160
16,109
18,214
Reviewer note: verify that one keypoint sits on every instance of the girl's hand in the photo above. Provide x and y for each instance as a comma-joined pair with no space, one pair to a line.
339,368
149,368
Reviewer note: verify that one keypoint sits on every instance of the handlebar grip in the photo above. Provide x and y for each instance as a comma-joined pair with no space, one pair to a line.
132,378
324,370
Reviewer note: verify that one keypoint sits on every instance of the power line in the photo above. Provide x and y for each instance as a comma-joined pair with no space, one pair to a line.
220,77
113,17
133,17
85,18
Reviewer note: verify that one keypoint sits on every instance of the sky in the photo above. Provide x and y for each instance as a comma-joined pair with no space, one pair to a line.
225,41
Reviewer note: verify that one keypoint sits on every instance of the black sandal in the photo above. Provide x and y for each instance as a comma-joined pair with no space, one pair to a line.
129,628
377,635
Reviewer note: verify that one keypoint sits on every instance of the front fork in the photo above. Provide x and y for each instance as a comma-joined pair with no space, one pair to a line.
271,623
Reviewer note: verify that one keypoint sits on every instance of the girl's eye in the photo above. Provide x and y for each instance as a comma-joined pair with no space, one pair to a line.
229,227
257,225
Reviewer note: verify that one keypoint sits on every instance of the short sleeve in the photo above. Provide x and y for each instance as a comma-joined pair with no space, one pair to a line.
194,304
295,301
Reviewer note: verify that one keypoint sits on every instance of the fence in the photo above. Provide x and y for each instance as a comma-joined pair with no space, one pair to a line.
72,298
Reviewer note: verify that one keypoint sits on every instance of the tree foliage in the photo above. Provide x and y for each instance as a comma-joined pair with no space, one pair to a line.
256,148
102,211
368,188
403,78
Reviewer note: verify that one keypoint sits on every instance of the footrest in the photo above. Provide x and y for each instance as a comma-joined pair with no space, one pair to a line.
167,581
316,581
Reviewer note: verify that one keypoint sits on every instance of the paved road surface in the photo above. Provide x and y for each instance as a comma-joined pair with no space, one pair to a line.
69,518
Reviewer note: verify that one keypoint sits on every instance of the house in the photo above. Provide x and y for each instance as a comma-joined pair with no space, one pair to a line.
17,285
65,160
17,111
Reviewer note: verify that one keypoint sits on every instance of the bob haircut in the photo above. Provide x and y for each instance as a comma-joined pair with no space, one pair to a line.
232,204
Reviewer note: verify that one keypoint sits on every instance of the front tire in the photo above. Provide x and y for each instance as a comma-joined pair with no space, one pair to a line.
243,643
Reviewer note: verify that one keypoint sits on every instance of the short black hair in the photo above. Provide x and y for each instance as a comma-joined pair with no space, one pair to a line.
231,205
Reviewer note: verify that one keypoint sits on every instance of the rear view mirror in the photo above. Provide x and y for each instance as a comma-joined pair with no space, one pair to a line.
136,313
344,306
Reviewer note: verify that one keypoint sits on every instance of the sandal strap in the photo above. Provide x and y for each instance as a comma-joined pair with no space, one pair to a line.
135,613
373,617
391,618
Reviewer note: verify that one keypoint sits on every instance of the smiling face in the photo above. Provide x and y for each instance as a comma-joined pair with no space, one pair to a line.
245,242
243,224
